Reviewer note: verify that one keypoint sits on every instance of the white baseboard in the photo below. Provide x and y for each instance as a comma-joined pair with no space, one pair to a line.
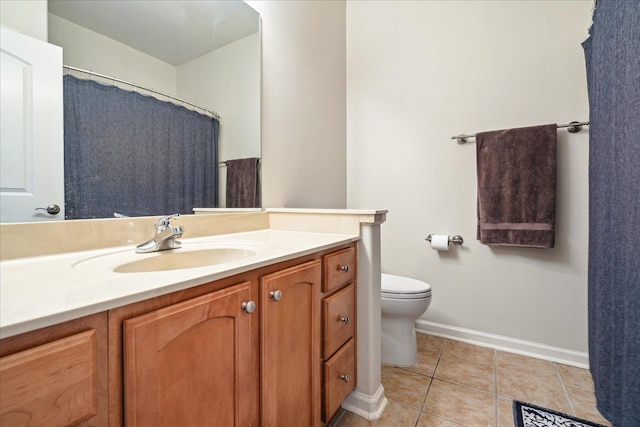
499,342
368,407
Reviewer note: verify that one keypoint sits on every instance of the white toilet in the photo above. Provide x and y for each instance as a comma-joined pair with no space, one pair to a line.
403,301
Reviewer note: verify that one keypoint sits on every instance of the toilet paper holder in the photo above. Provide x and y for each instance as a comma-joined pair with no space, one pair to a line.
456,240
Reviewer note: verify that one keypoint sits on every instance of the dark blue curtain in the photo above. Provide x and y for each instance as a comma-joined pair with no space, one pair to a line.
613,72
135,155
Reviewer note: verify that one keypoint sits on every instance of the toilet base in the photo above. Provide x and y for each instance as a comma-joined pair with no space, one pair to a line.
398,341
403,300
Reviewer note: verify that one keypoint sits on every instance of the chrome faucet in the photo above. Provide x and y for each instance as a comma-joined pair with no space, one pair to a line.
164,238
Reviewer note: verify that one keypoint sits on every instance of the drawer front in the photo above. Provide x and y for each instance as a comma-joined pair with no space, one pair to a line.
339,316
339,269
339,378
54,384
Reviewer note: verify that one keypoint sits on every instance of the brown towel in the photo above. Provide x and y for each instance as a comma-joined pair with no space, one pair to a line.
243,184
517,186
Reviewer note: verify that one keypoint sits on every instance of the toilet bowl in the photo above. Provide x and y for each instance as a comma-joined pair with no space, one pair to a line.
403,301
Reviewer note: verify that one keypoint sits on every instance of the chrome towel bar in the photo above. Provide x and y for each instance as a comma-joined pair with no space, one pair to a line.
572,127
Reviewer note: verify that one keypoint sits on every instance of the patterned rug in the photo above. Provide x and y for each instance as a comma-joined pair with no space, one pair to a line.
527,415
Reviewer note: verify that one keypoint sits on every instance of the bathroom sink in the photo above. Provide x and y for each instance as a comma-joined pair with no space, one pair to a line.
175,260
190,255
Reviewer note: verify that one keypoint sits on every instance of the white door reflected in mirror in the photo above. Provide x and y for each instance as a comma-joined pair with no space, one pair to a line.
32,129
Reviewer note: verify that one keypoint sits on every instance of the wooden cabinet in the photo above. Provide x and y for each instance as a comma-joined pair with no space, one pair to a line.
197,356
338,329
290,339
55,376
189,364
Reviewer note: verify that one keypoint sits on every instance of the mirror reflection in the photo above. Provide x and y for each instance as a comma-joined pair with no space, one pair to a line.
205,53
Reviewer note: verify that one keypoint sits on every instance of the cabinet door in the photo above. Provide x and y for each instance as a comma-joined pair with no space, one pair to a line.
290,340
54,384
189,364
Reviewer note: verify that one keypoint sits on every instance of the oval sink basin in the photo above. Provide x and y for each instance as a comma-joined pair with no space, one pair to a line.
175,260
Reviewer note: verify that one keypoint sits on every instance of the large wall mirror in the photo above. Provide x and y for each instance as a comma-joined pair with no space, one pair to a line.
206,52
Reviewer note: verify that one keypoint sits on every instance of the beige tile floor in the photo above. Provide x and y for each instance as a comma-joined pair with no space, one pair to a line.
455,384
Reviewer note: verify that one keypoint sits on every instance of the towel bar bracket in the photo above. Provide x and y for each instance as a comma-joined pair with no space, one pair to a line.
461,139
574,127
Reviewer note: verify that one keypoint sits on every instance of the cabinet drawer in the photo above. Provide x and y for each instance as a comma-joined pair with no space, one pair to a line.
339,378
339,269
339,314
54,384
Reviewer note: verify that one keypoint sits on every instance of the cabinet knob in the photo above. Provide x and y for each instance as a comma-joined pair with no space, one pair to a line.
345,377
248,306
344,320
275,295
344,268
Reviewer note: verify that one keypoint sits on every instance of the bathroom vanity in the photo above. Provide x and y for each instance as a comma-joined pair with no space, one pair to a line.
266,339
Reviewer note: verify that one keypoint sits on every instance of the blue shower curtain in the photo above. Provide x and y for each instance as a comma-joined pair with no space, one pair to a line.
613,72
134,155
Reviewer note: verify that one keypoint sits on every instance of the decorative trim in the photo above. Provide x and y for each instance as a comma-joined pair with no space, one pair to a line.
368,407
508,344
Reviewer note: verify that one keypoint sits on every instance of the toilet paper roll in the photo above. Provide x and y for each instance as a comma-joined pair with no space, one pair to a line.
440,242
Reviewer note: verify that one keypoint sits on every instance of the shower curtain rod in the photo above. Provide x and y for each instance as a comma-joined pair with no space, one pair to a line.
152,91
573,127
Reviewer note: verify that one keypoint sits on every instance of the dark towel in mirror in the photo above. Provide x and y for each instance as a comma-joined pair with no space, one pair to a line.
517,186
243,183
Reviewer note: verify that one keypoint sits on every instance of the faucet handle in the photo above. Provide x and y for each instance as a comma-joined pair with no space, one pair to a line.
177,231
164,222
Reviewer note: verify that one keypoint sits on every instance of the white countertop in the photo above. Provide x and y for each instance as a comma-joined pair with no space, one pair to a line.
41,291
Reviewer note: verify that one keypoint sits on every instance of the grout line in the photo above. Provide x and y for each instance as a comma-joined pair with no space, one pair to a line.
566,393
424,401
433,375
433,378
495,387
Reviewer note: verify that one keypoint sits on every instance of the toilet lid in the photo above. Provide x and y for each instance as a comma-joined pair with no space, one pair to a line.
403,287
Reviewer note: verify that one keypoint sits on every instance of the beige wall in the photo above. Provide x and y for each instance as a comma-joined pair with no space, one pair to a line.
26,17
420,72
86,49
303,103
